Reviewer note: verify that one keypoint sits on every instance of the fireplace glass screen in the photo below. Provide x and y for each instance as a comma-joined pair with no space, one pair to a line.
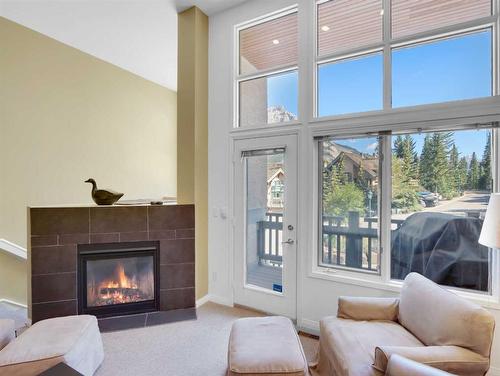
120,280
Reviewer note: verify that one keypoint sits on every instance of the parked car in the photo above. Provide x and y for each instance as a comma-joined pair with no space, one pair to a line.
428,199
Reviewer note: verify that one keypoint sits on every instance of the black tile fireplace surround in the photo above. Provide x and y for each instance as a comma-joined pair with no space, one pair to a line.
118,279
58,234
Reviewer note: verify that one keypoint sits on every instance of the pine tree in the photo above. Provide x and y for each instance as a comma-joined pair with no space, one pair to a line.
426,160
402,153
398,149
485,179
454,168
462,175
434,164
474,173
441,144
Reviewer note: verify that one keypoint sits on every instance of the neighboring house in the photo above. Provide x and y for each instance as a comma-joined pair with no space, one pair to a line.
275,189
358,167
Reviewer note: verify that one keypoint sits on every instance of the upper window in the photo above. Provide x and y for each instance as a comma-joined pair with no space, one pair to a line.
415,16
444,70
347,24
351,85
267,83
426,51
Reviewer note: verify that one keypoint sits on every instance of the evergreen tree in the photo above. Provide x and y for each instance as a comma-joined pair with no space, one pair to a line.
462,173
442,179
404,195
485,179
454,168
426,160
398,149
434,164
474,173
404,150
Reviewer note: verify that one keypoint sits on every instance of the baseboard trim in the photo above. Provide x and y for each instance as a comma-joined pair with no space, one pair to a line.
2,300
309,326
220,300
202,300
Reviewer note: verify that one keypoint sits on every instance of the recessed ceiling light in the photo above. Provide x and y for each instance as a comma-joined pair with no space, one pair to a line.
381,12
325,27
276,41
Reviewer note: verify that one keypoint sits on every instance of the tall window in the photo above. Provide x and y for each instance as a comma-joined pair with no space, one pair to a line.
267,81
415,52
441,183
350,189
439,188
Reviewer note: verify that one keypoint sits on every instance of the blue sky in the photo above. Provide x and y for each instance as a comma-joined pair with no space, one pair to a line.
450,69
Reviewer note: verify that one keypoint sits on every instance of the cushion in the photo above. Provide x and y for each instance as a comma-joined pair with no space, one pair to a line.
400,366
452,359
7,332
265,346
357,308
437,316
74,340
347,347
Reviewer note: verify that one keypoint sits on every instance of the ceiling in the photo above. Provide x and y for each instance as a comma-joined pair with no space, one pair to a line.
139,36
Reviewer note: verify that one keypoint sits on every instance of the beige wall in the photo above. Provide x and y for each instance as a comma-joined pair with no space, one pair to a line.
192,131
66,116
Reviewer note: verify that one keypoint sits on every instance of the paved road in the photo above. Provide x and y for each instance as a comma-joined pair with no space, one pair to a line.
470,202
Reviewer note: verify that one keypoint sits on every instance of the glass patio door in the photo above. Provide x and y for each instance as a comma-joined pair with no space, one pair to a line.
265,219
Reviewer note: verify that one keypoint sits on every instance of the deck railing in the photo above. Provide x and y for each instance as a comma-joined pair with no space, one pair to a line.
269,237
345,242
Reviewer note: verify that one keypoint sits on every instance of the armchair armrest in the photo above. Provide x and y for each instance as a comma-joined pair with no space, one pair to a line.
453,359
355,308
400,366
7,332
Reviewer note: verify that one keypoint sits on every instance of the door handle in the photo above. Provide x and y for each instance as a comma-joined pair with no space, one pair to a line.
289,241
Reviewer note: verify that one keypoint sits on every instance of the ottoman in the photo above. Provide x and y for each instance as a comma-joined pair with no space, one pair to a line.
261,346
74,340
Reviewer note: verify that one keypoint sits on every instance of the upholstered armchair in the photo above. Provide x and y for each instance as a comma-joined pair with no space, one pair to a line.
400,366
427,324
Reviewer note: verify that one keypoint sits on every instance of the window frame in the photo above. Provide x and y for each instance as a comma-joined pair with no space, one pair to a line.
382,140
263,73
388,44
382,279
431,117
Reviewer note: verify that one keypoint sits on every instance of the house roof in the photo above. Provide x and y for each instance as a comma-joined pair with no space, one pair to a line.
367,164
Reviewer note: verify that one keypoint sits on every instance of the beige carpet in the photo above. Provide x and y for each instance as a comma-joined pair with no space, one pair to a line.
197,347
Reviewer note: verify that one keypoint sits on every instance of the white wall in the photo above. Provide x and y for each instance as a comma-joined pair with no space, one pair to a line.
316,297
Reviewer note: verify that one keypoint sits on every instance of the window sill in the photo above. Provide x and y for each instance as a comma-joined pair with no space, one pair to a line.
376,283
265,127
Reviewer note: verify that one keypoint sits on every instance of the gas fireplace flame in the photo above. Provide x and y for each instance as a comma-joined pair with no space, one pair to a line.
121,281
118,287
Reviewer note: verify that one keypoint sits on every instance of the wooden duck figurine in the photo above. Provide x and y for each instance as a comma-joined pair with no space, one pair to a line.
103,196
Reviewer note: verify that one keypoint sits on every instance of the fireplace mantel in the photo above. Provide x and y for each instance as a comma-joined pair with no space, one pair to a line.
55,233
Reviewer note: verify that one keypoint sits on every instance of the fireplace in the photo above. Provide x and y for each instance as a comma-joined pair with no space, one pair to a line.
118,278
